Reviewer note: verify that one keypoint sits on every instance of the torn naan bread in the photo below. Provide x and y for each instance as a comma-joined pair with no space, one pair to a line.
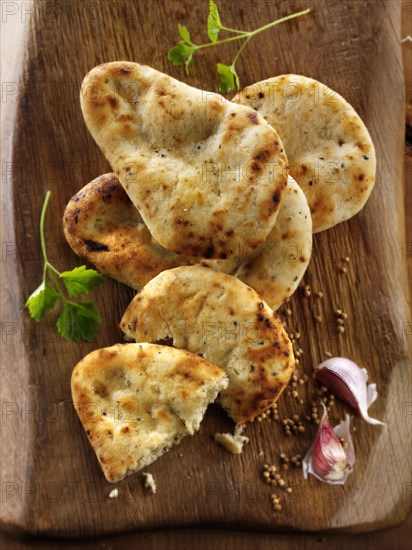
224,320
103,227
135,401
206,175
330,151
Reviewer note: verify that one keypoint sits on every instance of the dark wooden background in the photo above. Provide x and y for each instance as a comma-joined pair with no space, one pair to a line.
55,487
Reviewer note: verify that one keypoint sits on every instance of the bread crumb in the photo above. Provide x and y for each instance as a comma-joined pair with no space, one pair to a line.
232,443
114,493
150,482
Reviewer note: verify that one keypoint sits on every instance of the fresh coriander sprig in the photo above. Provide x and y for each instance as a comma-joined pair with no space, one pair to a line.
78,320
182,53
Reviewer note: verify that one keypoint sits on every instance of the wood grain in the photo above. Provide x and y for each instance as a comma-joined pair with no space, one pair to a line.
202,539
50,480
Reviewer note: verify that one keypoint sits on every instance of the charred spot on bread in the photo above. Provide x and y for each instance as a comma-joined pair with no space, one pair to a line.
94,246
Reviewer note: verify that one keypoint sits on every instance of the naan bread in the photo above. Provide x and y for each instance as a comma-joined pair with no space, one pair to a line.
277,269
330,151
206,175
137,400
227,322
103,227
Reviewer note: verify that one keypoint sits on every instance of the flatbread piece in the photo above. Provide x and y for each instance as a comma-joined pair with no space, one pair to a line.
206,175
227,322
330,151
137,400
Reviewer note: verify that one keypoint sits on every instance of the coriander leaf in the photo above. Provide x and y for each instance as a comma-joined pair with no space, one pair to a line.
228,78
181,53
41,301
213,22
80,280
184,33
78,321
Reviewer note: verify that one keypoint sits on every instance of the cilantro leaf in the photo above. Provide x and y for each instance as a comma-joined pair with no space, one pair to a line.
78,321
184,33
41,301
213,22
80,280
229,78
182,54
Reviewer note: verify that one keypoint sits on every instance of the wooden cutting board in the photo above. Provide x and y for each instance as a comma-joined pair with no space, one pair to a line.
51,484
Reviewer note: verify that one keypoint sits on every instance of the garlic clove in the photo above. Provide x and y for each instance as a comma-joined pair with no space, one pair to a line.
348,382
342,431
327,459
331,379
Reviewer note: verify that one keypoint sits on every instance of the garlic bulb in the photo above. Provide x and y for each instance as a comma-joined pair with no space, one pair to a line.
348,382
327,459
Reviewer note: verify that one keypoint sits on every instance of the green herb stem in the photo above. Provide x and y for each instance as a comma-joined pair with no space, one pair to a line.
53,268
279,21
242,47
48,267
234,30
249,34
265,27
56,283
42,218
218,42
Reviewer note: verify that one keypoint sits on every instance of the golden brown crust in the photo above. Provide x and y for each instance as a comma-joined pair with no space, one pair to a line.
224,320
330,151
207,175
276,271
136,400
102,226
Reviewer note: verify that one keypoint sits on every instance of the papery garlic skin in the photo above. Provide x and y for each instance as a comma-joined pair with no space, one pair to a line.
327,460
348,382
